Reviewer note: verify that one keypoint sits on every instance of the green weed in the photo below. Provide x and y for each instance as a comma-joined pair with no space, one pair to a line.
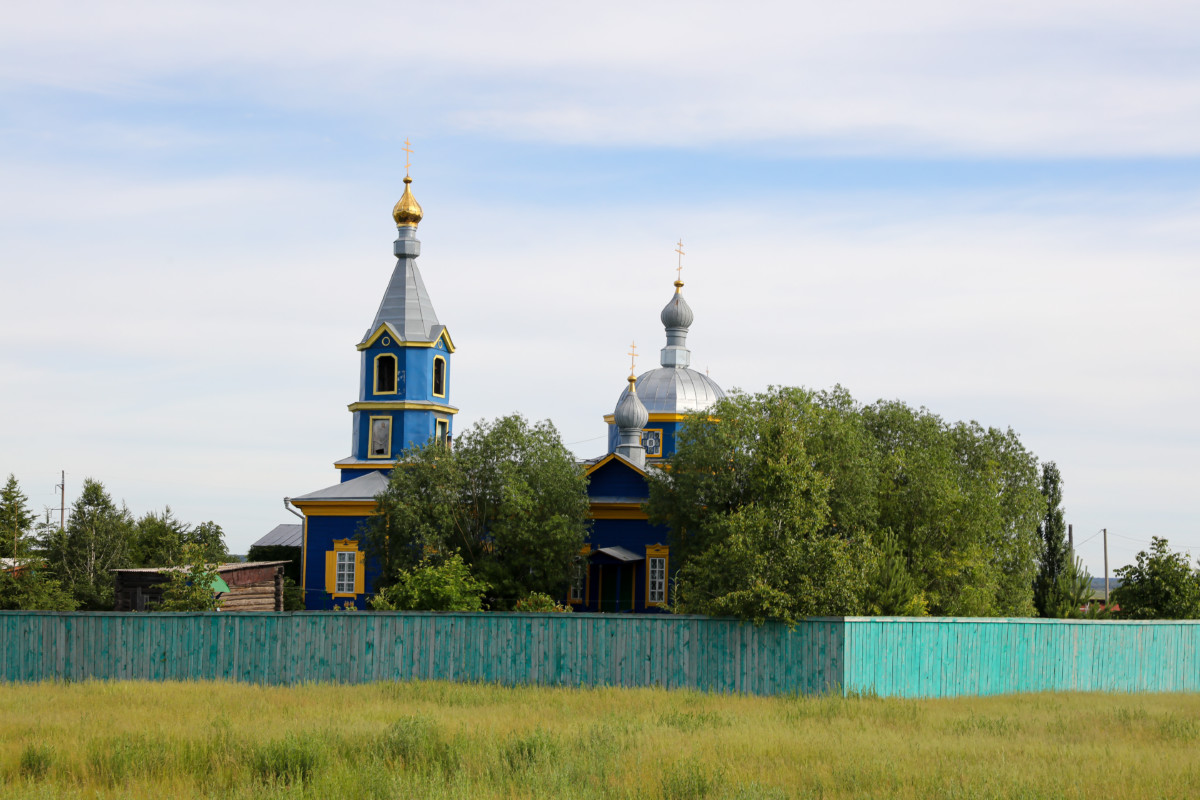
36,760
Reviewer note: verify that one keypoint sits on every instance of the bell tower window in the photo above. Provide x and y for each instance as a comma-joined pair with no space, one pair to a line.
380,444
385,374
439,376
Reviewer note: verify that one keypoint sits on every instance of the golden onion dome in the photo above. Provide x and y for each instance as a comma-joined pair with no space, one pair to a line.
407,212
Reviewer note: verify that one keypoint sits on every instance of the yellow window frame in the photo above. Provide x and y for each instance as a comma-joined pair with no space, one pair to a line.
360,564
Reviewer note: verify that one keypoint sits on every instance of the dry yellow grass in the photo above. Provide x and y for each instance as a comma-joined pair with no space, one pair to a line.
443,740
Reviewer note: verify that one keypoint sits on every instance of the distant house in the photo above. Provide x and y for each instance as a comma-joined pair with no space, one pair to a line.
253,586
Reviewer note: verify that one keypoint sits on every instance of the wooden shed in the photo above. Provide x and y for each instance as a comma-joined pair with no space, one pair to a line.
253,586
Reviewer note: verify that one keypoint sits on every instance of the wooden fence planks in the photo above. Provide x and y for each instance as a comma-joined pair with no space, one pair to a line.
890,657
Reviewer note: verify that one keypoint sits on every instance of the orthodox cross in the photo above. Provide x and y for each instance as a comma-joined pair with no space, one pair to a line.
407,152
679,269
632,356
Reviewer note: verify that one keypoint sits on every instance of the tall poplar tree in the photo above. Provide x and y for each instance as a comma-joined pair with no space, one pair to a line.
1055,560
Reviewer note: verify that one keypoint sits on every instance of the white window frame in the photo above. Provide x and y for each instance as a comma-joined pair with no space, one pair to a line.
578,580
345,566
656,588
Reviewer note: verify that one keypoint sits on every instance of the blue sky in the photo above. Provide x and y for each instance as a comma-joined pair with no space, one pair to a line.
992,212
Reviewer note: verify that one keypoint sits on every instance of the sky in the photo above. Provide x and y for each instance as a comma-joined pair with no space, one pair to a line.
989,211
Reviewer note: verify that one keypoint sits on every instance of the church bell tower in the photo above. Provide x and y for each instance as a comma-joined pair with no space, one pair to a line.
404,384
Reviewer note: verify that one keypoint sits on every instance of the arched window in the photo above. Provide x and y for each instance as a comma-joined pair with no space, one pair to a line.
439,376
385,374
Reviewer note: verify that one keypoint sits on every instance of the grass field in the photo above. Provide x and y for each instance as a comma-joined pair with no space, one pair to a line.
228,741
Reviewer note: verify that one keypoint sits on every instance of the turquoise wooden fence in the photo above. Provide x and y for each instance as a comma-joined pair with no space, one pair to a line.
550,649
884,656
947,657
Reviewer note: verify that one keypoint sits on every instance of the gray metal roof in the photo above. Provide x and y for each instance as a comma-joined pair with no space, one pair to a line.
282,536
364,487
406,306
620,553
675,390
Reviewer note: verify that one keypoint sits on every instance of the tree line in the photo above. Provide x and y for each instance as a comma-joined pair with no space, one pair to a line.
779,505
68,567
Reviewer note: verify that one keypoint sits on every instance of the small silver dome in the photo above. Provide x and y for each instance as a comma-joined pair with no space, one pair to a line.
674,390
630,413
677,313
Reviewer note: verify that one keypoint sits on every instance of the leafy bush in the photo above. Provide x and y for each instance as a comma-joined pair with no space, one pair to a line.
1161,585
448,586
191,587
539,602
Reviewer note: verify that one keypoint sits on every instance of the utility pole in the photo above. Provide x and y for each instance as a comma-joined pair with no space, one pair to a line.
1105,567
1071,541
62,502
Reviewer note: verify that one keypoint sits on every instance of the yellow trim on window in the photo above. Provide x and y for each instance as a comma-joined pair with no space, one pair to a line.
445,377
657,453
395,374
371,435
344,546
657,551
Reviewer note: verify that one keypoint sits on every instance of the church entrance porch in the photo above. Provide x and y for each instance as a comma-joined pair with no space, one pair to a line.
615,573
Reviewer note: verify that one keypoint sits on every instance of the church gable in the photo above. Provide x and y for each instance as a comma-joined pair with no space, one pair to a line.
615,477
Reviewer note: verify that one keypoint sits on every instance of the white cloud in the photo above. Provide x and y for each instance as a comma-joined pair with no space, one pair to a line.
1023,78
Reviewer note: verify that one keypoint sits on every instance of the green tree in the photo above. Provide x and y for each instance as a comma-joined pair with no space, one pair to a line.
160,539
964,503
1074,592
95,541
751,525
210,538
190,587
1055,556
31,588
892,591
1161,585
16,520
445,585
509,498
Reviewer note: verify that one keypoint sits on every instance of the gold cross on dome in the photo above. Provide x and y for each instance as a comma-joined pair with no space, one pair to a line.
679,269
632,356
407,152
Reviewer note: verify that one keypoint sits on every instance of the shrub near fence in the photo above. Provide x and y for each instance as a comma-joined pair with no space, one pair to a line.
885,656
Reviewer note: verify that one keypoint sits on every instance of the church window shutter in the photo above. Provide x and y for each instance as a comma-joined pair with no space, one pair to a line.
360,572
330,570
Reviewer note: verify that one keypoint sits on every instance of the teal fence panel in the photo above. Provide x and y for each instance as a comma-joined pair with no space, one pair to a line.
950,657
670,651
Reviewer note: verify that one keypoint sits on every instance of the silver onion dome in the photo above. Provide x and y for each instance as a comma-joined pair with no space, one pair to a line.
630,412
677,313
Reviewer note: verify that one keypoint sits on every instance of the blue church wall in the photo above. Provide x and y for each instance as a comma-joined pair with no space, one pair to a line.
320,534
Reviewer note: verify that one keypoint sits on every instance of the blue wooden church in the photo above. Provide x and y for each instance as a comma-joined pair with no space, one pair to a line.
404,400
